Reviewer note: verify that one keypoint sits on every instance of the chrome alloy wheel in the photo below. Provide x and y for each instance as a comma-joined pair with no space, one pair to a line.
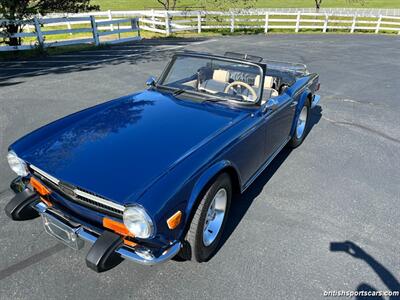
301,123
215,217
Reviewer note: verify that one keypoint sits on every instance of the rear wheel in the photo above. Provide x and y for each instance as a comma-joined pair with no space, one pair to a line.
301,126
208,222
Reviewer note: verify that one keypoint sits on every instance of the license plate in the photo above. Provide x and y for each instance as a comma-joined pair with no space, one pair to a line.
61,231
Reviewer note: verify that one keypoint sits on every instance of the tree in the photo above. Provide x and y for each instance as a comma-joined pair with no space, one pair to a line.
17,10
361,2
225,5
168,4
318,4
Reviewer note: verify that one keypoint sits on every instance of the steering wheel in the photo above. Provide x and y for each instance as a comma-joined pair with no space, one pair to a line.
234,84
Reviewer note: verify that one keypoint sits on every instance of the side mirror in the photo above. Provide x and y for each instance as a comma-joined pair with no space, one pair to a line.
271,104
151,81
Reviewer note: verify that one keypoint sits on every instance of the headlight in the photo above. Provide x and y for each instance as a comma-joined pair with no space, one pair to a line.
138,222
17,164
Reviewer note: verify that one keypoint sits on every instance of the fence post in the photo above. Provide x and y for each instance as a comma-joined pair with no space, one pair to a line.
298,21
69,26
232,21
378,25
94,31
353,25
153,18
135,22
110,19
167,24
199,22
326,23
266,22
39,34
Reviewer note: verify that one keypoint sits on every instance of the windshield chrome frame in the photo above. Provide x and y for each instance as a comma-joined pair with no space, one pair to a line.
215,57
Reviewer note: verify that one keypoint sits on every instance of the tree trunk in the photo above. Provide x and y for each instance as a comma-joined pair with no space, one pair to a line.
12,29
317,5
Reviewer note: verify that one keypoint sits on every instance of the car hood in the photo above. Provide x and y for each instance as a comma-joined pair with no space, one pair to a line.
117,149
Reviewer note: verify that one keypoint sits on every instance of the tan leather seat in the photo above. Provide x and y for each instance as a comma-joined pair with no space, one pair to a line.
218,82
221,75
268,91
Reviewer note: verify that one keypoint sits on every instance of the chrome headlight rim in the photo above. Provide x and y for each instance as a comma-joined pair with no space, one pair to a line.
134,215
16,164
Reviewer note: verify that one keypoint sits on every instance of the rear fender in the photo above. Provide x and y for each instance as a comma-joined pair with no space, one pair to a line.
302,99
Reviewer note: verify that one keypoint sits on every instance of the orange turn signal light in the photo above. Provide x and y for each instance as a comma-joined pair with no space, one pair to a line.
39,187
116,226
47,202
174,220
129,243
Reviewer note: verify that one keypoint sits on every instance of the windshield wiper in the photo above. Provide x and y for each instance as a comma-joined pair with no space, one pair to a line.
175,91
178,92
214,100
211,98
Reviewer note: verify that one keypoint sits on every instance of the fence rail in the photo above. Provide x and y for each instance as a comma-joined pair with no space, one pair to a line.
107,23
359,12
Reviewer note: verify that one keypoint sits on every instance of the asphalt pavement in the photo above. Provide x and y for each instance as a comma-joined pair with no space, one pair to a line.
285,234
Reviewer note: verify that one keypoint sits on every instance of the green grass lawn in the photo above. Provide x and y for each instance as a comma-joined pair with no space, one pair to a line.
148,4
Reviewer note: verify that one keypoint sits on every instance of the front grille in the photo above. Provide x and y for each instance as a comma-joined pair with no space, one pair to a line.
99,205
79,195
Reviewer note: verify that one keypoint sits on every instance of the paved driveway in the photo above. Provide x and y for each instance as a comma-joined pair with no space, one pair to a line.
342,184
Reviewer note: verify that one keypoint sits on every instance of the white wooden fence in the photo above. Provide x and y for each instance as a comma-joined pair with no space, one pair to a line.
38,29
173,22
339,11
169,22
350,20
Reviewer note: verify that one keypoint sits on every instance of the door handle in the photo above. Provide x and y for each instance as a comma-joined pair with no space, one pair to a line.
271,105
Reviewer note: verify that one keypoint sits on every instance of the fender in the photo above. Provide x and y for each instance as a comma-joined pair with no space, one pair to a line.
202,182
302,99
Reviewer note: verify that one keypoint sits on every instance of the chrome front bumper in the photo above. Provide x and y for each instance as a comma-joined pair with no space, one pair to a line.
144,257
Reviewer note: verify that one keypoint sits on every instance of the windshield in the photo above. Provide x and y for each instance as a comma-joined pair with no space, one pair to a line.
215,77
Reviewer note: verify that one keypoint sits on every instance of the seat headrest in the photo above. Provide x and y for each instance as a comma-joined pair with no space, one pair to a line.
221,75
268,82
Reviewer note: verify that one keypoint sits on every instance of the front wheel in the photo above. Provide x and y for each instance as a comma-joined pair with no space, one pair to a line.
301,126
209,220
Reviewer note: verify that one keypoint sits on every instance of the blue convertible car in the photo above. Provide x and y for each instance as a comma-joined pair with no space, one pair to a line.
150,176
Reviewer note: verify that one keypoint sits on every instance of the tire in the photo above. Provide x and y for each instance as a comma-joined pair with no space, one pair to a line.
199,245
300,131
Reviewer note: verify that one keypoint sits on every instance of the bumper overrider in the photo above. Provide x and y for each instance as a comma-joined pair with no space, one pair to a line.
315,101
108,248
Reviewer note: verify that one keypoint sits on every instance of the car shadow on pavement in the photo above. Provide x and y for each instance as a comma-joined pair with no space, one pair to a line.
242,203
151,50
384,274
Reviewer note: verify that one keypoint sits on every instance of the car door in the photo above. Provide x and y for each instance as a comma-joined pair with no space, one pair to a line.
248,153
278,122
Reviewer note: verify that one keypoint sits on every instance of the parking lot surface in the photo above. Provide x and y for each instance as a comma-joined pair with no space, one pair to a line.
342,184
